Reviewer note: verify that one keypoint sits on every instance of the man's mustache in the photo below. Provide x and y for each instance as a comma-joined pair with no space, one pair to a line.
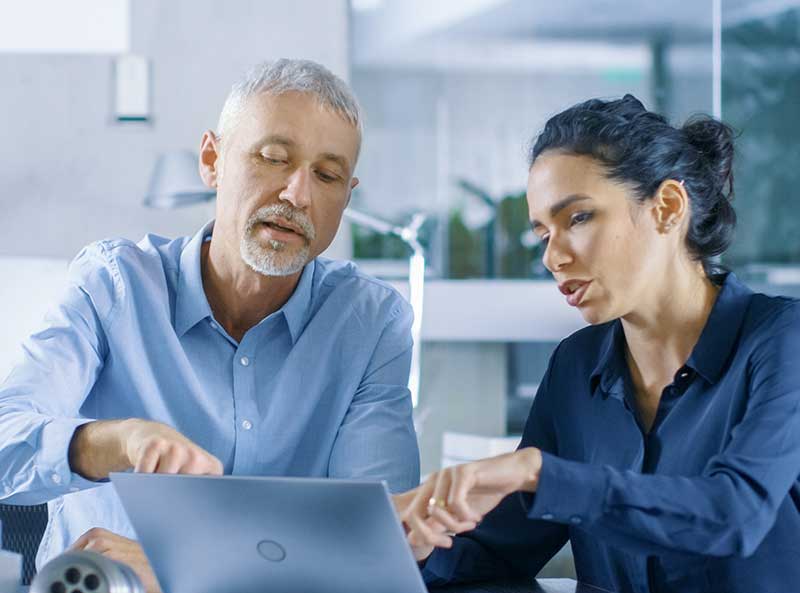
281,211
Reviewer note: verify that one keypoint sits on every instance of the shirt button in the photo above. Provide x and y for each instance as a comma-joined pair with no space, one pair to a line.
245,361
247,425
56,478
575,520
213,325
684,374
548,516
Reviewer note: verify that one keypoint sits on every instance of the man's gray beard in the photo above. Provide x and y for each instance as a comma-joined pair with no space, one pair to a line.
275,258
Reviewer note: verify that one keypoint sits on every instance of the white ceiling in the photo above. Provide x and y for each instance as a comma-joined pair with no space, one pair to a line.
393,31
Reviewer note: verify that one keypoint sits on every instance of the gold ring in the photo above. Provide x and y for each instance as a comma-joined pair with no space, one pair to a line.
436,502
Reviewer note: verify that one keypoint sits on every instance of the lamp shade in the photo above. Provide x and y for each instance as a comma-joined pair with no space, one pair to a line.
176,183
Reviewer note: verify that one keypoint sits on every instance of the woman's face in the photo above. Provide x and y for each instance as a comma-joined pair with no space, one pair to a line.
602,246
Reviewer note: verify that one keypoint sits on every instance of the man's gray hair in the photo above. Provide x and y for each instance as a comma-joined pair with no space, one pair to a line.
286,75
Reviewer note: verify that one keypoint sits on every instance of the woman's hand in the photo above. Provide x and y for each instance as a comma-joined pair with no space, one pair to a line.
401,505
457,498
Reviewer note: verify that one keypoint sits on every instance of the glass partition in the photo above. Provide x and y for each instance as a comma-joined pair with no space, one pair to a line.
761,99
453,98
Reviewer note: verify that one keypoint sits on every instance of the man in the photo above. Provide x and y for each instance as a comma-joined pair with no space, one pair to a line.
233,351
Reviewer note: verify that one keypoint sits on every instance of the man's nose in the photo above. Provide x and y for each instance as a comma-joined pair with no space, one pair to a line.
298,188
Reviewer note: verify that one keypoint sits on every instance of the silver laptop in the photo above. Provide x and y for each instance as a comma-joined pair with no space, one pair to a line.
234,534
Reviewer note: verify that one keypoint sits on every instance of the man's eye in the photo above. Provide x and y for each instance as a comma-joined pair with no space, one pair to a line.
273,160
544,239
326,177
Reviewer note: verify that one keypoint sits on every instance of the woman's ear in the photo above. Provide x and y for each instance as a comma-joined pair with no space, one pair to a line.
209,161
670,205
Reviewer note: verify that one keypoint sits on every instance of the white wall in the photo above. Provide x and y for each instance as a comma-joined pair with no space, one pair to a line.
70,176
37,283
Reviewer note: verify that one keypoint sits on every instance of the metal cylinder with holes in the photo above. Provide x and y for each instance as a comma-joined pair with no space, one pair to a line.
85,572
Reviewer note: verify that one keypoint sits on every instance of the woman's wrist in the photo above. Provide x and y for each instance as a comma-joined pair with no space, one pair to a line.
531,464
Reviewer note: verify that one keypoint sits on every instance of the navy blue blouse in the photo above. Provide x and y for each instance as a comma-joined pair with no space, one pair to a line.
708,500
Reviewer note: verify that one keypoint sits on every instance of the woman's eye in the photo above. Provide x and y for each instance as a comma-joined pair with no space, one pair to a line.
544,239
272,160
580,218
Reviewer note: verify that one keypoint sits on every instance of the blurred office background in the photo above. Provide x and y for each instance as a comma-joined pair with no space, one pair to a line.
92,91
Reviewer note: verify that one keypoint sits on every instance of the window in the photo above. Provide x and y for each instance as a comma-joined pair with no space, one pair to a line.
55,26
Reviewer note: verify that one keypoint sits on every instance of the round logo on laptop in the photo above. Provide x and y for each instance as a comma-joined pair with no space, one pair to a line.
270,550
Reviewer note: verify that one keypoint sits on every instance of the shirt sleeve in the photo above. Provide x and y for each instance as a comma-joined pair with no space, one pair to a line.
507,545
376,439
41,398
730,507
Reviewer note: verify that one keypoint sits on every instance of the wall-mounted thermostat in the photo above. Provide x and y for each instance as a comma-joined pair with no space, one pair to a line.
131,88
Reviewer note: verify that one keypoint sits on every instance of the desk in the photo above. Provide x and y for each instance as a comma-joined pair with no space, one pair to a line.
541,586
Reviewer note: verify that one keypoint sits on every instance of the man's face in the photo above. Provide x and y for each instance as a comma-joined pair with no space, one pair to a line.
283,175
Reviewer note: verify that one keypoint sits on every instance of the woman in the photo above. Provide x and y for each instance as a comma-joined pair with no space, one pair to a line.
664,441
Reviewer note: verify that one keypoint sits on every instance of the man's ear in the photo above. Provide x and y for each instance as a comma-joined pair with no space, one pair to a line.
353,184
209,159
670,205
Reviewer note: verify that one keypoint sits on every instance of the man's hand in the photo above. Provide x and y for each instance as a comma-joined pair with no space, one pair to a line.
152,447
98,448
122,550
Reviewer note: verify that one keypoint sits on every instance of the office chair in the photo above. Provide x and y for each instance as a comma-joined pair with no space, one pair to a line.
23,527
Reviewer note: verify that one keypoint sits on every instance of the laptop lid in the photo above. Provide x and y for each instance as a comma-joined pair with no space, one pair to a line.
237,534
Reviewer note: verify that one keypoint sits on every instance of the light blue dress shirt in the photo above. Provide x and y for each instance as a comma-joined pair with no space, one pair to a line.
318,388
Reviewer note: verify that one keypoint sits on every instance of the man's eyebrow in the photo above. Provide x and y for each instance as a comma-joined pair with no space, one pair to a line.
560,205
275,139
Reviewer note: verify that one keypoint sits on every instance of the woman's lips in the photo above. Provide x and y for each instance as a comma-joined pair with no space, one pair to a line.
574,291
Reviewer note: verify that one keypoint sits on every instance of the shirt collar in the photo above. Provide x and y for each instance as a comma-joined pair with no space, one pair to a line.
721,331
609,371
296,309
708,356
192,306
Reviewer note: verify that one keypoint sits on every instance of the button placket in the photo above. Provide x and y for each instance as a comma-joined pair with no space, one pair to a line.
246,412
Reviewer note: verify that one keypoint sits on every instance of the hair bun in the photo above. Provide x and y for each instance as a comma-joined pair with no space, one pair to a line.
714,141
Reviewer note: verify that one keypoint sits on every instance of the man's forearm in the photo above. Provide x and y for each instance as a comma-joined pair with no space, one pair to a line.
101,447
97,448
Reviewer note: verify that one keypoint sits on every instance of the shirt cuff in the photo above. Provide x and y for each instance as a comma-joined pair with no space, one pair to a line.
53,464
439,568
568,492
445,566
